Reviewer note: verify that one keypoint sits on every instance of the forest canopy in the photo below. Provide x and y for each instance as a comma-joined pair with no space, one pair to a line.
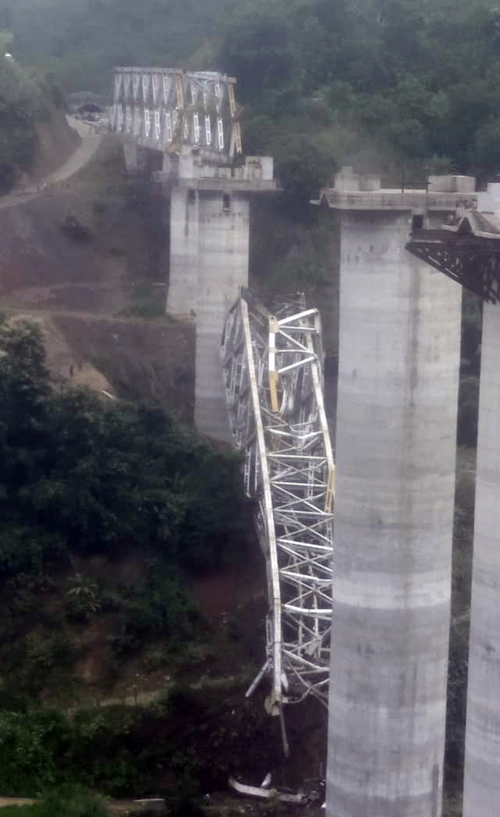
79,476
417,80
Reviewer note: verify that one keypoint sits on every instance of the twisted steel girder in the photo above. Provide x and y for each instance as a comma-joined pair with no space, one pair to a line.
273,377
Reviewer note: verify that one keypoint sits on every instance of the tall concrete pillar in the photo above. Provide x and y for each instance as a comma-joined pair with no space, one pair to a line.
209,259
482,740
184,251
399,354
223,270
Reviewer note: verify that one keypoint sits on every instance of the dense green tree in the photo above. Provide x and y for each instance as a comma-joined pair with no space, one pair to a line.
418,78
257,51
24,97
77,474
303,166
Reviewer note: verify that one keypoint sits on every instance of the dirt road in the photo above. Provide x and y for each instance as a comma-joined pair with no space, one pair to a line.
84,152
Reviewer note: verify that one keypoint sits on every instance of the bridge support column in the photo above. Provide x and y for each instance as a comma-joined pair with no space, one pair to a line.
482,741
194,151
209,254
399,354
209,259
223,268
184,252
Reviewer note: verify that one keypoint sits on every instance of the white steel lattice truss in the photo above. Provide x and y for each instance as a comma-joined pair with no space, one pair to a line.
177,102
274,387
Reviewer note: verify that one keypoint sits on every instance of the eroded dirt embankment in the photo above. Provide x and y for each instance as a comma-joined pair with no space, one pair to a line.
141,360
86,292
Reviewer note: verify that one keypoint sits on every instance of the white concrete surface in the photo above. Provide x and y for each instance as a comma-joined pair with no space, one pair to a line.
209,258
399,352
482,742
223,269
182,298
489,200
209,253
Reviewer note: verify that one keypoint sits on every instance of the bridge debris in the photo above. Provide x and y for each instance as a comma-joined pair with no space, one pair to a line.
273,377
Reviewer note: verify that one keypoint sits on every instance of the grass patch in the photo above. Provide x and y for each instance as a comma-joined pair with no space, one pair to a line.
66,802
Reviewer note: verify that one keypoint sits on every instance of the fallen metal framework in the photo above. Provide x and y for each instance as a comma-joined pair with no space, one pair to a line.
274,387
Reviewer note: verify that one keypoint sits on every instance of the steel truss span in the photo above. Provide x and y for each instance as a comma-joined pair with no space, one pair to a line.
166,108
273,374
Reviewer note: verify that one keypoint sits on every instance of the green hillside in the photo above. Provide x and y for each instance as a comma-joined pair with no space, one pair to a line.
415,81
26,96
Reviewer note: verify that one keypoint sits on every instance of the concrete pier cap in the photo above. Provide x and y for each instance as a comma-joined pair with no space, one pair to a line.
364,191
199,169
209,256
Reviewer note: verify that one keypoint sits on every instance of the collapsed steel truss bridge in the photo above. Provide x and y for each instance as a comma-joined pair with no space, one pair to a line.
273,374
467,251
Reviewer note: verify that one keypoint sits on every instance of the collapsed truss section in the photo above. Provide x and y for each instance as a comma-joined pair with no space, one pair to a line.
273,374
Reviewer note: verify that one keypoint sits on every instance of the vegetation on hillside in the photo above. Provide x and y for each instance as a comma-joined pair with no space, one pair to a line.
402,87
67,801
415,82
80,474
81,478
25,97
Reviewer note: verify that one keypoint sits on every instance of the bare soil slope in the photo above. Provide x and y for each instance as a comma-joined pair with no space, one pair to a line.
90,290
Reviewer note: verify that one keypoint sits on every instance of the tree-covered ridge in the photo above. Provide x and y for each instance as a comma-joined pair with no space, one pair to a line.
25,97
416,79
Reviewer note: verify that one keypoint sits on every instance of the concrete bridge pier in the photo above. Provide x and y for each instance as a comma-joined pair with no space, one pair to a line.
482,739
209,259
399,354
184,251
222,271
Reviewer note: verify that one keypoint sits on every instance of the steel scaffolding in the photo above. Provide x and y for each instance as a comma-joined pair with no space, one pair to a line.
273,373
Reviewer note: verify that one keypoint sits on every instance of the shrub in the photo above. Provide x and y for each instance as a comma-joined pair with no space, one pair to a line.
159,606
72,801
82,599
303,165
